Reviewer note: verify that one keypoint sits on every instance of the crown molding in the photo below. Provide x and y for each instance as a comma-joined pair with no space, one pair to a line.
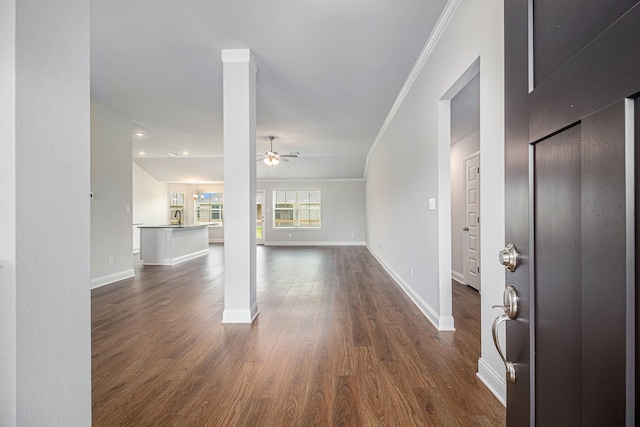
438,30
238,56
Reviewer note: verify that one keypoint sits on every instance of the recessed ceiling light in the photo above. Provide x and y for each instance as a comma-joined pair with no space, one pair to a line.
142,153
185,153
139,134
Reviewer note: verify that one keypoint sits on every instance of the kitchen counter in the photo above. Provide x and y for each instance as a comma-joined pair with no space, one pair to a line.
172,244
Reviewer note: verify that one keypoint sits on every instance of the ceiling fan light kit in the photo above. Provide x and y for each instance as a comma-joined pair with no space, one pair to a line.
272,158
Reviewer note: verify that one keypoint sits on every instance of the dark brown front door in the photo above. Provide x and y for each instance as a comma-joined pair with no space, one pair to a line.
572,71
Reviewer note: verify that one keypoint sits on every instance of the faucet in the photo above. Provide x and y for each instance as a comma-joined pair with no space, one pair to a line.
178,215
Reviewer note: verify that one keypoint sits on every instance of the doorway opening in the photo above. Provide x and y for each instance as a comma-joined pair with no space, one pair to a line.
465,185
458,137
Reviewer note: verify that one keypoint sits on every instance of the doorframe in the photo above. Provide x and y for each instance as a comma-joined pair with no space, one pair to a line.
262,240
444,191
489,364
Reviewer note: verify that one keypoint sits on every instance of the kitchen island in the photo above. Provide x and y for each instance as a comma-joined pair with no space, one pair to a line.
172,244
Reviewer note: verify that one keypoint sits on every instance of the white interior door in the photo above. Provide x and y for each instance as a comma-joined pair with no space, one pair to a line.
260,218
472,220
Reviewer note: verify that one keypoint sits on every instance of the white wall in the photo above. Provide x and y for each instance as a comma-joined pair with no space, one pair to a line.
342,213
111,206
410,163
459,150
7,207
45,332
150,198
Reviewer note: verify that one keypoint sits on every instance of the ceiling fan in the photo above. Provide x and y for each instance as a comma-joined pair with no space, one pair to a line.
272,158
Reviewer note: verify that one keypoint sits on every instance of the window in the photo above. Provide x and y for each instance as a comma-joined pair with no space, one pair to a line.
296,209
209,208
176,208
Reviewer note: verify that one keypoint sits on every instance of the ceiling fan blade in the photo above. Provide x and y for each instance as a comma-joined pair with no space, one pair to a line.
291,156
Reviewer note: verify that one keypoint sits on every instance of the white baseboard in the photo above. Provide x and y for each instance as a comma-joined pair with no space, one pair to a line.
457,276
442,323
494,381
216,240
303,243
313,243
178,260
112,278
240,316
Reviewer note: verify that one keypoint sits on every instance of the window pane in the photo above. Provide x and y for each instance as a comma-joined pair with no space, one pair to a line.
296,208
209,208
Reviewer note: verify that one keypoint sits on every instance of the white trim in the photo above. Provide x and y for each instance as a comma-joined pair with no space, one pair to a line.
457,276
238,56
303,243
495,382
262,196
438,31
442,323
235,55
216,240
359,179
313,243
310,180
178,260
112,278
189,182
240,316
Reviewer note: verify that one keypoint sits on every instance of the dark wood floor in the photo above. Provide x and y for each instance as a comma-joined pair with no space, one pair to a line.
336,343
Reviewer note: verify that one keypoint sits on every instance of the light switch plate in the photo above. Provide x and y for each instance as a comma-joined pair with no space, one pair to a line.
432,204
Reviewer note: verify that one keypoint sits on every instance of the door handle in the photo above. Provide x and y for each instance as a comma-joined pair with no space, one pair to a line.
465,229
510,310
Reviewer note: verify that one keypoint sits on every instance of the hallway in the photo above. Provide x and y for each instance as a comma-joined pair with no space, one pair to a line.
336,343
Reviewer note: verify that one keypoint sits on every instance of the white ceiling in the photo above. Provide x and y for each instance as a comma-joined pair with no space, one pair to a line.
329,72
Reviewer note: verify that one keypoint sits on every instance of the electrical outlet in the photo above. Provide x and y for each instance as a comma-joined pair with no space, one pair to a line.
411,271
110,260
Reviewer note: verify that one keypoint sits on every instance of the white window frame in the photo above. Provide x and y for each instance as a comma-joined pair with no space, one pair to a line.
300,205
202,209
176,204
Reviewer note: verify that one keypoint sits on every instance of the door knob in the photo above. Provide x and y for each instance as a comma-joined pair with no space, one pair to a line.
509,257
510,310
465,229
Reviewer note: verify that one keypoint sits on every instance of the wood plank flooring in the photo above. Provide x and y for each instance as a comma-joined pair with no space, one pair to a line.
337,343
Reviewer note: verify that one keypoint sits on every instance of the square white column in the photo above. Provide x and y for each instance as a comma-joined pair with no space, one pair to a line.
239,106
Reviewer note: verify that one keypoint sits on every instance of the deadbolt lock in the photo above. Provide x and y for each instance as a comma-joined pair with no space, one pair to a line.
509,257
